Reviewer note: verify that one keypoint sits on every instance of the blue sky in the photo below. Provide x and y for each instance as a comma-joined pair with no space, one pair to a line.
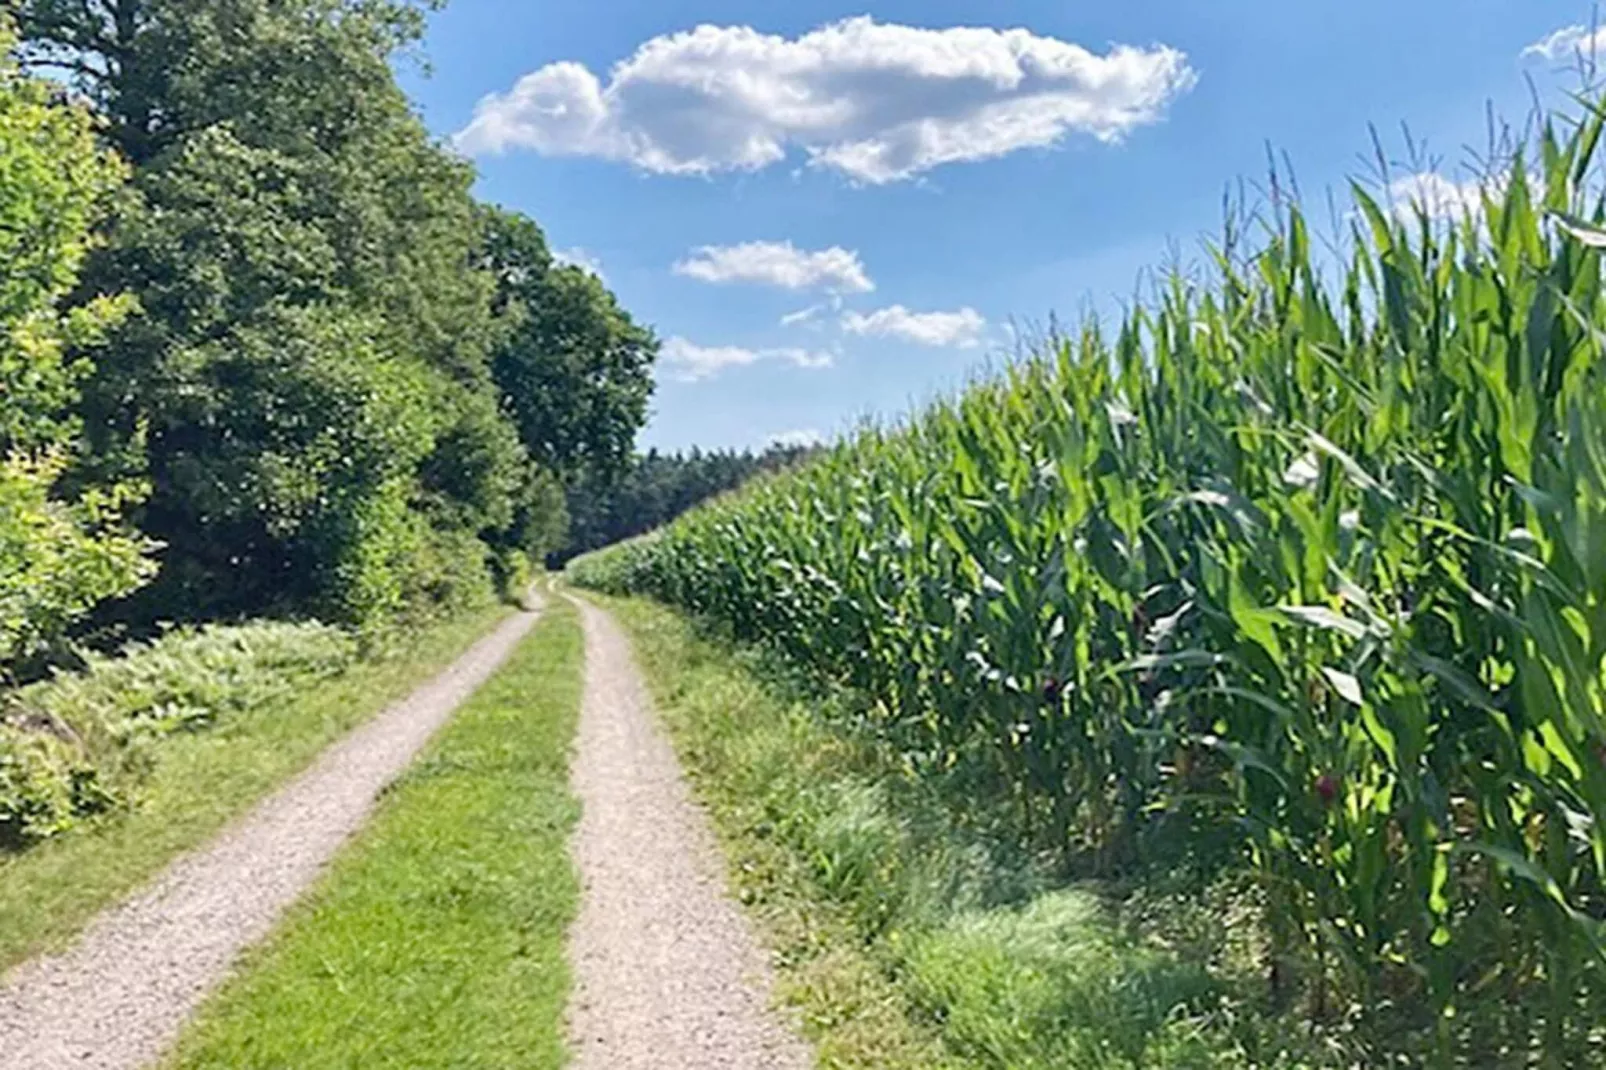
899,182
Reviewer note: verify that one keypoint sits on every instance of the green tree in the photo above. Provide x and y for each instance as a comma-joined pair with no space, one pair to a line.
60,553
575,368
308,381
658,487
156,70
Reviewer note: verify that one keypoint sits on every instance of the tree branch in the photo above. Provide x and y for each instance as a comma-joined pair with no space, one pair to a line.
78,67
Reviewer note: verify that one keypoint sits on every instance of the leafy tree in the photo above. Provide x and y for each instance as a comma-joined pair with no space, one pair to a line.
575,368
59,553
350,387
157,70
307,382
656,488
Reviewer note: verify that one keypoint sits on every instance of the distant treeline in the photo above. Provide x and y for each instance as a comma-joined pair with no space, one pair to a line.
261,351
657,488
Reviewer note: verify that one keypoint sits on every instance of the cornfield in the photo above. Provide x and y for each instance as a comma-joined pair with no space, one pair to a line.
1310,552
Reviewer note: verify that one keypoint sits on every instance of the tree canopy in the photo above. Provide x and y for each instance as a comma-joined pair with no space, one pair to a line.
349,388
656,487
59,553
575,367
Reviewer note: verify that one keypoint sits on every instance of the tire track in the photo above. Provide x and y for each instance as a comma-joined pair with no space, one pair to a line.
668,974
118,998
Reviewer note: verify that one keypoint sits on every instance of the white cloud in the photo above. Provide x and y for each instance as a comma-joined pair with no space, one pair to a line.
580,258
1447,198
803,358
802,438
1568,43
688,362
782,264
962,329
804,317
877,102
1438,196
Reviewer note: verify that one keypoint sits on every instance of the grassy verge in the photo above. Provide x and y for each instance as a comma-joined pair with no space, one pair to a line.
908,941
436,940
199,782
750,754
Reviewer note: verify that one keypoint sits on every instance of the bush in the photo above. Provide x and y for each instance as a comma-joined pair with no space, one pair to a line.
77,744
60,553
513,575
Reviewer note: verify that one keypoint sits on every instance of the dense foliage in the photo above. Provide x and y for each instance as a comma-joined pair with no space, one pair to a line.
1301,571
312,374
576,370
261,353
77,745
60,552
658,487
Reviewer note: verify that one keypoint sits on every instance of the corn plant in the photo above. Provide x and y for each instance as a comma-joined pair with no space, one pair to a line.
1305,554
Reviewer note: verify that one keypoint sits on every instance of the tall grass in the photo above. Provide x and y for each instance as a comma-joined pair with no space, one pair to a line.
81,742
1302,570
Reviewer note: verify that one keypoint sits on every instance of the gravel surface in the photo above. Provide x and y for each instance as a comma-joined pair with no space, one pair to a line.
119,998
668,974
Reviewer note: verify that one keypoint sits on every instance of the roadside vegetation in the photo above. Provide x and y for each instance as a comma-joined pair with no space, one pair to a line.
906,937
1273,615
79,744
655,488
436,939
278,398
150,757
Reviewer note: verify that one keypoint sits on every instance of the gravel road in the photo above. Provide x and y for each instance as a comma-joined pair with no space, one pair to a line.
668,973
118,998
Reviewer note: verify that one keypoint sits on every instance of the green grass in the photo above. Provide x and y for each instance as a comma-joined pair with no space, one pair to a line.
749,754
198,783
436,940
105,720
908,941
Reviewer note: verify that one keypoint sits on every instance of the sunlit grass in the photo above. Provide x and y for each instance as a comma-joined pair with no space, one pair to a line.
436,939
201,780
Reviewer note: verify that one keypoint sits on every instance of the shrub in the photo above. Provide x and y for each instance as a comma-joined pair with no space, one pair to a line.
77,744
60,553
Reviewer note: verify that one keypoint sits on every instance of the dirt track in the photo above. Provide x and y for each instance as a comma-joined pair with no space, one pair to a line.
118,998
668,974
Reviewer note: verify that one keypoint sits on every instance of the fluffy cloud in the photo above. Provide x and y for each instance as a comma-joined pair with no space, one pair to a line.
578,257
688,362
962,329
1438,196
877,102
1446,198
781,264
1569,43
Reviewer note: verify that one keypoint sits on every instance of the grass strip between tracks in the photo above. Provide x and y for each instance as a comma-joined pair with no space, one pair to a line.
436,939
